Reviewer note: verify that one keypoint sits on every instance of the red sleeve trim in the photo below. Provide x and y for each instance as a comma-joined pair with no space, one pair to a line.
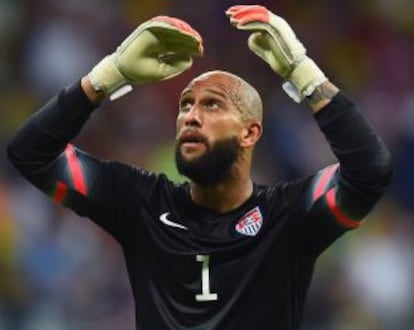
323,181
339,216
75,169
60,192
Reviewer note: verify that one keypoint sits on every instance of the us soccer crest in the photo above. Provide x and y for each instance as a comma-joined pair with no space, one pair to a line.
250,223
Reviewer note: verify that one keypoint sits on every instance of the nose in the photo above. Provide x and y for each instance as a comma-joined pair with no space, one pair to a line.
192,117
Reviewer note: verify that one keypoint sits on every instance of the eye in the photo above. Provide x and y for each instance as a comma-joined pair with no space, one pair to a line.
186,104
212,104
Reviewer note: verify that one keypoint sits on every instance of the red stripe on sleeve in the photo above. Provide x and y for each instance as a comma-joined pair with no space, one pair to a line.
323,181
76,171
339,216
60,192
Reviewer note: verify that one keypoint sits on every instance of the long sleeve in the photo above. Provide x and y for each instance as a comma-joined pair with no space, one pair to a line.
365,162
42,153
46,134
339,196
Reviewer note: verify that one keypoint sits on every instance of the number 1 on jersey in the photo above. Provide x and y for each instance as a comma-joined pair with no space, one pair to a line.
205,295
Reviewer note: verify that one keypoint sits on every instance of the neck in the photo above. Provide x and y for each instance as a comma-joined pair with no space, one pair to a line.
224,196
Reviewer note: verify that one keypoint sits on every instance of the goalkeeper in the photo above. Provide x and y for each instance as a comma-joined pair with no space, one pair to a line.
220,251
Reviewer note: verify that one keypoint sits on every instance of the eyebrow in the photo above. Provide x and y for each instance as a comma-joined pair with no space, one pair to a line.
212,91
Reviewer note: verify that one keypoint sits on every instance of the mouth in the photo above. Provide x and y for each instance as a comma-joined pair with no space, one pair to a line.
192,141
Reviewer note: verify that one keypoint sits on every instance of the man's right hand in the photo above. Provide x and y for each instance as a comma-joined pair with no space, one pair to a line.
158,49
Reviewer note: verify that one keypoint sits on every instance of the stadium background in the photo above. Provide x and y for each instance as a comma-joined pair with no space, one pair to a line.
60,272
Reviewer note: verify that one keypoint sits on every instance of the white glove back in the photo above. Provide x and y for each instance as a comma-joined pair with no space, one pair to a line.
274,41
158,49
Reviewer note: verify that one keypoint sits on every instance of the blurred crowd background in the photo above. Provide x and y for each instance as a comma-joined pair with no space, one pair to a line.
60,272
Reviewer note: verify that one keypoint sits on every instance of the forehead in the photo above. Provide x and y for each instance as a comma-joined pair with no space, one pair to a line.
223,84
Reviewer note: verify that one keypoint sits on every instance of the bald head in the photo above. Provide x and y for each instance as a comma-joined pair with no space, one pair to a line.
243,95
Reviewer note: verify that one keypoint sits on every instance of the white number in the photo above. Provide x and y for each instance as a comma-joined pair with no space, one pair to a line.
206,295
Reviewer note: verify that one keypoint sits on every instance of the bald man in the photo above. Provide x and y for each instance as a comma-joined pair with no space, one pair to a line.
219,251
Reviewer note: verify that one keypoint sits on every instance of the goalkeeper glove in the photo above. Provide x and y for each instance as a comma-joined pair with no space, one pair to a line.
274,41
158,49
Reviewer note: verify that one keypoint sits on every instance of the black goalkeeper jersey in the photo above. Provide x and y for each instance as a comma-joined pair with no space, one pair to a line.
192,268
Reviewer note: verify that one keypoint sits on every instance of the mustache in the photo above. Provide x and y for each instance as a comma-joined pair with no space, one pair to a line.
192,137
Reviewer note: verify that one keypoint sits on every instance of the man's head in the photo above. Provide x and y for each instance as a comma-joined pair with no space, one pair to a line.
218,125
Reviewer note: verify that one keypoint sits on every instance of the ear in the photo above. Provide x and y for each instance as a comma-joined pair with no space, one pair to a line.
250,134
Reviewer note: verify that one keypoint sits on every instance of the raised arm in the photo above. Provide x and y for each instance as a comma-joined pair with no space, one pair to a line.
338,197
158,49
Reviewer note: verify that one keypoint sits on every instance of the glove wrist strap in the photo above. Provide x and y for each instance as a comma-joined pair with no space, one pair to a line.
106,77
304,79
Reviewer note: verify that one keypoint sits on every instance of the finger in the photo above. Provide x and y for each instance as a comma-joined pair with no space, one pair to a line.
239,8
250,14
175,65
231,10
253,26
173,40
179,40
259,40
176,60
181,26
178,23
180,48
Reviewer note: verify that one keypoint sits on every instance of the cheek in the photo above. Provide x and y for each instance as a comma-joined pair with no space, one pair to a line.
178,123
225,133
229,127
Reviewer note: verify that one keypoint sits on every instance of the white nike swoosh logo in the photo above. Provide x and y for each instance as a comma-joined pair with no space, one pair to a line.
164,220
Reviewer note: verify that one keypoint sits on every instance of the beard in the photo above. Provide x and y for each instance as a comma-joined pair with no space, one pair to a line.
212,167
